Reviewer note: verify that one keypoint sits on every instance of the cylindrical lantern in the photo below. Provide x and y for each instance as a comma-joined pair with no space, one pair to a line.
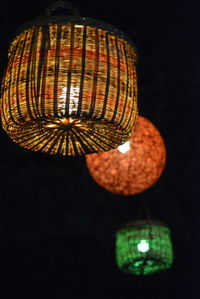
70,86
134,166
144,247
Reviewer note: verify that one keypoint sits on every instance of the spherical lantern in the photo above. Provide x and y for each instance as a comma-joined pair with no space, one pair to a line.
143,248
134,166
70,86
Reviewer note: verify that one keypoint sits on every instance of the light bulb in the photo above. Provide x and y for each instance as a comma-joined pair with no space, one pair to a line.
143,246
124,147
73,101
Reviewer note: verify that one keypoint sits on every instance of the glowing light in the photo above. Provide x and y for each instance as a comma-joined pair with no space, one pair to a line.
134,171
73,102
143,246
69,79
124,147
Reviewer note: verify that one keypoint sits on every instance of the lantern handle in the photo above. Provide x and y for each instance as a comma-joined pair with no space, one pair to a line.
62,7
144,211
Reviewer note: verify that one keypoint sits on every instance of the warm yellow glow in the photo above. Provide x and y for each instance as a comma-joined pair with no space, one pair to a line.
73,102
124,147
64,122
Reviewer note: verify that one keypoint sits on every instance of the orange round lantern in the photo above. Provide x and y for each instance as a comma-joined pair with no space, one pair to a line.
133,166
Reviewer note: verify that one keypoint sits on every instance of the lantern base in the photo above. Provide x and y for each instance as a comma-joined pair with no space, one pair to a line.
144,266
67,136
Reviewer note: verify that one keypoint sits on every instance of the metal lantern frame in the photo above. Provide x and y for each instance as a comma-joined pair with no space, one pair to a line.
144,247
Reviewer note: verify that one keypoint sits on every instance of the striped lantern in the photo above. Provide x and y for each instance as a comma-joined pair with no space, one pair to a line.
70,86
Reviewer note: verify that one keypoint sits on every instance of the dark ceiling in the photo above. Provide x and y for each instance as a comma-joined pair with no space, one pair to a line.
57,225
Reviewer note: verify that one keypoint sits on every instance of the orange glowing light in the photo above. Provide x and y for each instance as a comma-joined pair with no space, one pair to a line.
132,170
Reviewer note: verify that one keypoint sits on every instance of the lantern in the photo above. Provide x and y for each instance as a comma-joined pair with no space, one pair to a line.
134,166
144,247
70,86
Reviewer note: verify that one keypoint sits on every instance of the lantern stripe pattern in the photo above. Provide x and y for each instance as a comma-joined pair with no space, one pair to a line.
69,89
144,248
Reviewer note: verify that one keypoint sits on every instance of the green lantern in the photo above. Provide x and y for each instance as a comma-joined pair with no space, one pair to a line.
144,247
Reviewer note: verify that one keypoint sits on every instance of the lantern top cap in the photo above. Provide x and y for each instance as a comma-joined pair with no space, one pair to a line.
66,8
140,224
74,20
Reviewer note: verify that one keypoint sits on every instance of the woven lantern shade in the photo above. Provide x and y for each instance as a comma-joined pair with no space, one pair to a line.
134,166
70,86
144,248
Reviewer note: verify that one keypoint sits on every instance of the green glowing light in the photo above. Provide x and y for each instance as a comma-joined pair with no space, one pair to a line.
144,249
143,246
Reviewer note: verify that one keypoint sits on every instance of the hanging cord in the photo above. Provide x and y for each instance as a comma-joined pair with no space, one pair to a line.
144,211
62,8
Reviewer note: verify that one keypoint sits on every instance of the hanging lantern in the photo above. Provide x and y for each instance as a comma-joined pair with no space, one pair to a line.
70,86
144,247
135,165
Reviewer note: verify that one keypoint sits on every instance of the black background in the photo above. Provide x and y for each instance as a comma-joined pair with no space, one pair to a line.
57,225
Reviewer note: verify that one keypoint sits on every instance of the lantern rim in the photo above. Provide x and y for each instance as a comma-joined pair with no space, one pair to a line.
21,135
143,223
76,20
158,263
